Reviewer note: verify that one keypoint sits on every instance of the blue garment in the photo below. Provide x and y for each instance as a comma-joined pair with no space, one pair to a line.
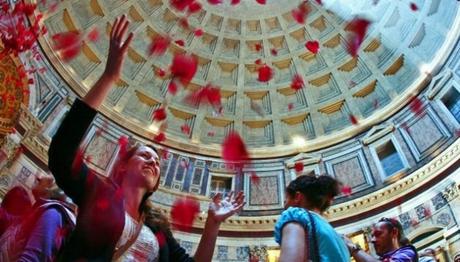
331,245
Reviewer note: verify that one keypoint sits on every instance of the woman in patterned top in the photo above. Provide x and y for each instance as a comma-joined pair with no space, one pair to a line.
114,221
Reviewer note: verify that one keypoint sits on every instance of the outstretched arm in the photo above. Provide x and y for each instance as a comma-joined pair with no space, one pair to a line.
64,157
219,210
117,52
358,254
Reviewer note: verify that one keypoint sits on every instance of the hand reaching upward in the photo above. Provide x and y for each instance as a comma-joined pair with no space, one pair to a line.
118,48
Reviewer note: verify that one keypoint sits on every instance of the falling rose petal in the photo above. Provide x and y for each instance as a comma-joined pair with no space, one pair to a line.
209,94
94,35
70,53
346,190
298,167
159,138
160,72
427,211
290,106
194,7
413,7
297,82
358,28
234,150
235,2
416,106
258,61
123,143
181,5
77,163
262,2
164,154
312,46
159,45
180,42
66,40
274,52
183,22
185,129
159,114
183,212
210,134
198,32
255,179
265,73
353,120
258,47
161,238
172,87
301,12
215,2
184,67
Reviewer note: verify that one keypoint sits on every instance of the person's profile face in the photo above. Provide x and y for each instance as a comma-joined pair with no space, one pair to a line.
381,238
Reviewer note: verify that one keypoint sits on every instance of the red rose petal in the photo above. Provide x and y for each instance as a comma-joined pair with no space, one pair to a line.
297,82
172,87
77,163
234,150
184,67
198,32
159,114
262,2
160,72
312,46
208,95
298,167
161,137
416,106
180,42
159,45
215,2
94,35
194,7
358,28
181,5
346,190
161,238
258,47
211,133
183,212
255,178
274,52
265,73
235,2
290,106
353,120
258,61
185,129
413,7
123,144
301,12
183,22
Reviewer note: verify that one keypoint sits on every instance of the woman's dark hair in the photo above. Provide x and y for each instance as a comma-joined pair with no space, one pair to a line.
318,190
17,201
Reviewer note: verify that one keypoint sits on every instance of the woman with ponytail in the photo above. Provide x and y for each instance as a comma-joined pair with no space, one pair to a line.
302,232
115,221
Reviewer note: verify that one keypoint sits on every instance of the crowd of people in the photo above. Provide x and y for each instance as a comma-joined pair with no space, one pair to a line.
110,218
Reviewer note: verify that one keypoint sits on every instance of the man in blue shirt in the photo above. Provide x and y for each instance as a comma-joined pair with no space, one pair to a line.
389,243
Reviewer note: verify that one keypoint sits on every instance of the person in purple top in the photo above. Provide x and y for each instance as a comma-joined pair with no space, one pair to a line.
389,243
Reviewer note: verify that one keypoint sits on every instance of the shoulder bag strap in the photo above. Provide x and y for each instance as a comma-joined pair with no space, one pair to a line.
118,253
315,254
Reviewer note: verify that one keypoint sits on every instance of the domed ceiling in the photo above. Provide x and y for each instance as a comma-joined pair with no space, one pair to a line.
343,95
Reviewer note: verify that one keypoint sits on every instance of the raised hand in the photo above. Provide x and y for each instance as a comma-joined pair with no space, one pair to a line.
222,208
118,47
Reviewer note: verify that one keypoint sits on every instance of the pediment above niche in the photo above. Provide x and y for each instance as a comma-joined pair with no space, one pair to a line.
377,132
306,159
438,82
